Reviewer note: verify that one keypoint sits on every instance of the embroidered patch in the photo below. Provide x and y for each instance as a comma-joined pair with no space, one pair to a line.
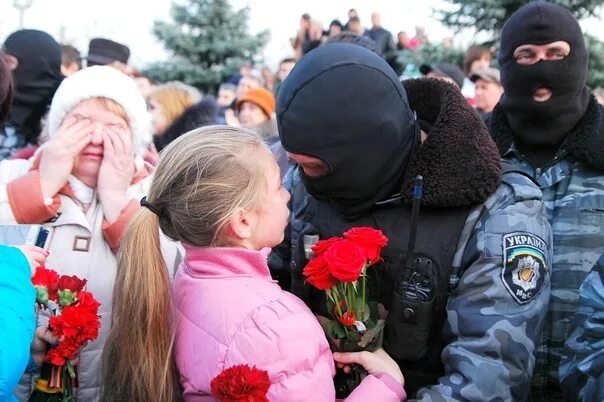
524,267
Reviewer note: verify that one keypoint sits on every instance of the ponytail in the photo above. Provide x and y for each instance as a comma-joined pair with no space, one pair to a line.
138,364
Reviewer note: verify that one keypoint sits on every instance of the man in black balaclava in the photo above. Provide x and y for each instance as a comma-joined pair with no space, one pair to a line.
360,137
35,60
549,125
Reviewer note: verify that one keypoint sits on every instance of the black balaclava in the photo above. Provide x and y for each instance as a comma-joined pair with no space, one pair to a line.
36,78
343,104
543,123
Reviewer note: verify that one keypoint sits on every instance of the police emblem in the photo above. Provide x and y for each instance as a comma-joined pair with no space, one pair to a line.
525,267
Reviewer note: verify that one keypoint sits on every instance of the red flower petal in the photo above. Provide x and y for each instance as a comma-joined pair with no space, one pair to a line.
241,383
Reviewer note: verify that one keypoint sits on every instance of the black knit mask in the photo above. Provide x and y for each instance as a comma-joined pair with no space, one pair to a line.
344,104
543,123
36,78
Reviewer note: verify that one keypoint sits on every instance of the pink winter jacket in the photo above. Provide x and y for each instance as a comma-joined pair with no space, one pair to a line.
230,312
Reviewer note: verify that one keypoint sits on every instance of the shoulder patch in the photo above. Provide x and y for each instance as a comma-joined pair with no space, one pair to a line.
524,265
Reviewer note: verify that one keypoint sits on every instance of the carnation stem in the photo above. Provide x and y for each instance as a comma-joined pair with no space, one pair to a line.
71,371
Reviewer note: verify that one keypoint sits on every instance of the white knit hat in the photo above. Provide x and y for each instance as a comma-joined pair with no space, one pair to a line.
106,82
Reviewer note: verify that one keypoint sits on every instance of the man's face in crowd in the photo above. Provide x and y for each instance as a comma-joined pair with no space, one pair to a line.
487,94
225,97
480,64
284,69
355,27
531,54
250,114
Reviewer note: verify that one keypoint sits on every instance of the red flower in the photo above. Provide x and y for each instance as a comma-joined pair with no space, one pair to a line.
72,283
241,383
348,318
322,246
317,274
55,356
370,240
345,260
87,301
46,279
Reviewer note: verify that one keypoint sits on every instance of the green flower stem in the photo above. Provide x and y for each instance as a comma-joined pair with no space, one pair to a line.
72,373
350,302
363,290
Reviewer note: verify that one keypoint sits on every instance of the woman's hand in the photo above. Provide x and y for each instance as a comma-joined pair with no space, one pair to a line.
42,339
59,153
376,362
116,172
231,119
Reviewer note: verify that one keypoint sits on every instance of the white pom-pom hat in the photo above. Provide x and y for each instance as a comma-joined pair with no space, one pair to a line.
105,82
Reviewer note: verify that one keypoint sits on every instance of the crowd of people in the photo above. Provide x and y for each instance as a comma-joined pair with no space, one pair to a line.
192,217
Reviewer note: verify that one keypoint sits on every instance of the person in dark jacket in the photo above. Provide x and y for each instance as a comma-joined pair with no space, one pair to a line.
549,125
480,256
201,114
35,60
582,365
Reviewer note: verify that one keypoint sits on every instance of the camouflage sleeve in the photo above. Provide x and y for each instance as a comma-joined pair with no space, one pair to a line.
582,366
496,312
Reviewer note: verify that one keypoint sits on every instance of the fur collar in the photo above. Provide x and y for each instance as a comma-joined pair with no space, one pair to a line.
458,161
585,142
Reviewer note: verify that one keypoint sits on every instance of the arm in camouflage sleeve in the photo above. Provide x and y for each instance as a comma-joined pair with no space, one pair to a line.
495,314
582,366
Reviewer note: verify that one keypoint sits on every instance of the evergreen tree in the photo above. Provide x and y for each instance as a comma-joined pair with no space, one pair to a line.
490,15
429,53
595,78
208,41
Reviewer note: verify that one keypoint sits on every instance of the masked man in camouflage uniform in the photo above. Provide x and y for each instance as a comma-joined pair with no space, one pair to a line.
549,125
466,302
582,366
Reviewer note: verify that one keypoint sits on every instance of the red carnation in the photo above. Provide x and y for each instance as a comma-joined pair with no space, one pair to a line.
87,301
370,240
46,282
241,383
345,260
75,325
72,283
55,356
317,274
322,246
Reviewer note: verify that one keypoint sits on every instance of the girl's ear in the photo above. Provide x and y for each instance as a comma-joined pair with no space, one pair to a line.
240,225
12,62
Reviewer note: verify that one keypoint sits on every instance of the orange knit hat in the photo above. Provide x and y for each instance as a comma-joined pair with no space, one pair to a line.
260,97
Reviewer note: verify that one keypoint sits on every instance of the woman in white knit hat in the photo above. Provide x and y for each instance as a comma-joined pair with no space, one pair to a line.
84,185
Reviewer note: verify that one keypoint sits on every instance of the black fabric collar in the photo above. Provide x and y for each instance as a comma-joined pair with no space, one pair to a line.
458,161
584,142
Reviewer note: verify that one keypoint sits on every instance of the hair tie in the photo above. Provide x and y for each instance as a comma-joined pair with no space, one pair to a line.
149,206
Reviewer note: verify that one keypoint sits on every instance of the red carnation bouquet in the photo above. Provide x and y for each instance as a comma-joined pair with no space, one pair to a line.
74,321
241,383
340,267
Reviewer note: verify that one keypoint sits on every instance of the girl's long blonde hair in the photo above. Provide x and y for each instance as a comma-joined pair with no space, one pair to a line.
201,179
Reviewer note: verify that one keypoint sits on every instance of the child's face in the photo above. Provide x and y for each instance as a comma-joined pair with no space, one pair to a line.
272,212
88,162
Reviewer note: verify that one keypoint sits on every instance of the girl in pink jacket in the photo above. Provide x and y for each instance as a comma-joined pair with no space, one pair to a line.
218,191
